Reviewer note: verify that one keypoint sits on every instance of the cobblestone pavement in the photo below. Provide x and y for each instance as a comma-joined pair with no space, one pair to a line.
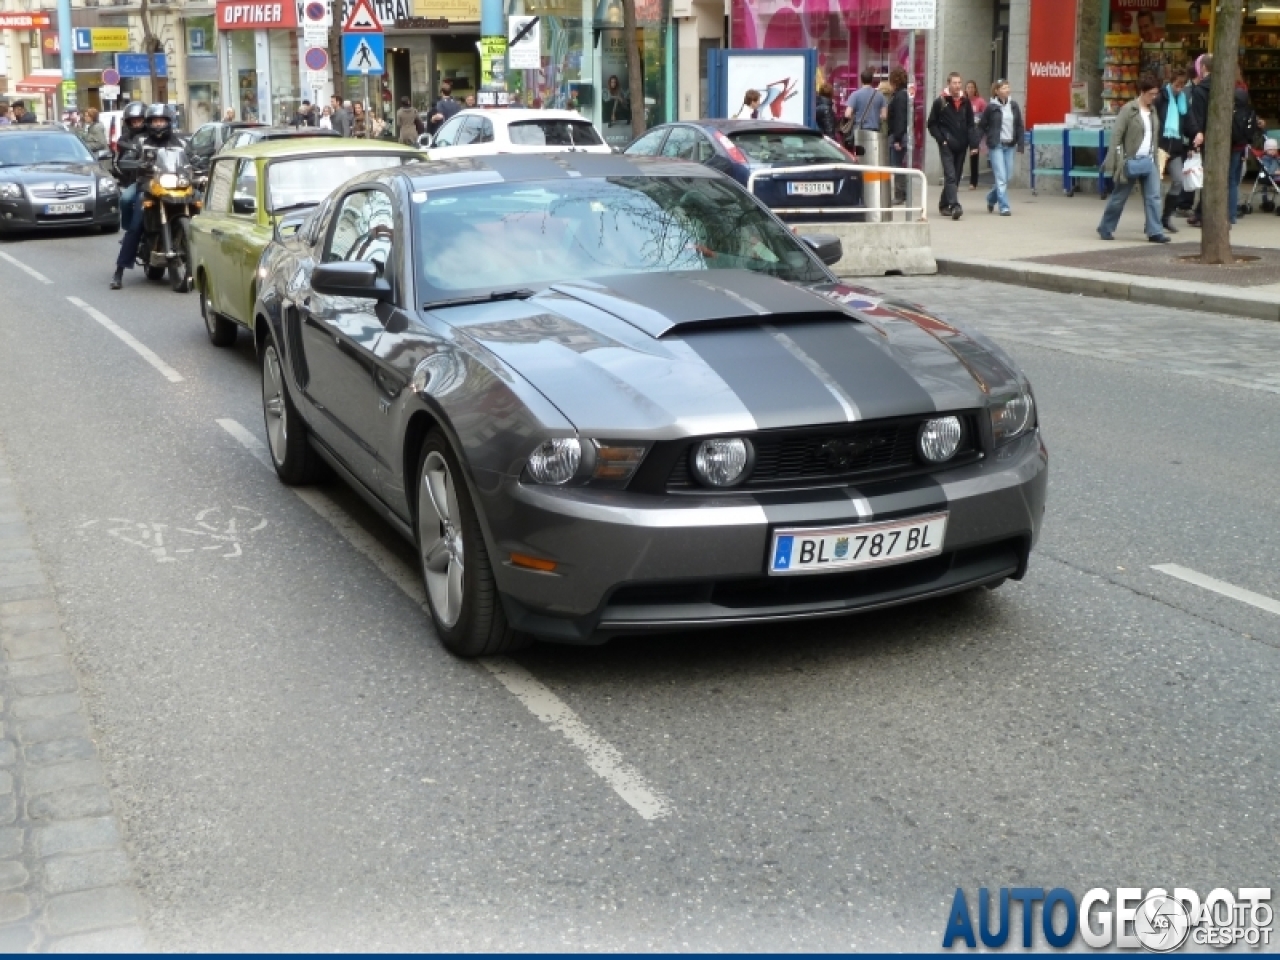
65,877
1229,350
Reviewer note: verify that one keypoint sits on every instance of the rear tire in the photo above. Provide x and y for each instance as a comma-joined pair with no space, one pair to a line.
462,595
222,332
287,436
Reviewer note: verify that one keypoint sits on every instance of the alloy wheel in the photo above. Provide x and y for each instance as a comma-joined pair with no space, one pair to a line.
440,539
273,404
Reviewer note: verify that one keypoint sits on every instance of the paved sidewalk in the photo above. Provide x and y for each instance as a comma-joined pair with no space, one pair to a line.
65,878
1012,250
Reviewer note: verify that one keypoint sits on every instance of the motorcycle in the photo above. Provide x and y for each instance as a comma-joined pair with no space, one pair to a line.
167,194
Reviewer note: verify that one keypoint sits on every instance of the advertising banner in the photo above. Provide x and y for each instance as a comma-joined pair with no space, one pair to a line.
1146,18
1051,55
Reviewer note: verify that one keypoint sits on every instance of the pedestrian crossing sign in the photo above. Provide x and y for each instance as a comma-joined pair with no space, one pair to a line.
364,53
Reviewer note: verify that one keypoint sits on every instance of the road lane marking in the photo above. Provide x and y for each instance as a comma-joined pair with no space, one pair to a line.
145,352
602,757
24,268
1220,586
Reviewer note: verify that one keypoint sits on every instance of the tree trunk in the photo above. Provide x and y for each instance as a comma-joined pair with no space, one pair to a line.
1215,237
150,43
635,67
337,69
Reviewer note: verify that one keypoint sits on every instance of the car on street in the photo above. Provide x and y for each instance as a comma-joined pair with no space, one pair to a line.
249,190
50,181
792,169
607,394
210,138
477,133
248,135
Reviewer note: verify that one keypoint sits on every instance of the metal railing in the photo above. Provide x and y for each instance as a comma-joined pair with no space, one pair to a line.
868,183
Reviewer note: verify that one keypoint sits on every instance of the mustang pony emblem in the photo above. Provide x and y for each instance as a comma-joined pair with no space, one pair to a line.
841,454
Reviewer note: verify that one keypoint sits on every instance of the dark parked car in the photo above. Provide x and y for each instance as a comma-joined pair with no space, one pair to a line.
606,394
50,180
258,134
210,137
776,154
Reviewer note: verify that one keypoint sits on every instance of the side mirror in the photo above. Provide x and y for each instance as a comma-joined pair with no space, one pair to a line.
827,246
425,140
350,278
244,205
102,154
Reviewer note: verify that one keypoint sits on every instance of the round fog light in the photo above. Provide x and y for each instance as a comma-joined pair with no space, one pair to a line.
721,462
940,439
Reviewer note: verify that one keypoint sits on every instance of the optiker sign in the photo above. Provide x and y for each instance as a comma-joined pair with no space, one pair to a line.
256,15
1060,69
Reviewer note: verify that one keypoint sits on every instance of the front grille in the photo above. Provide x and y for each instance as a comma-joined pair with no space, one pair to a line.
830,454
51,193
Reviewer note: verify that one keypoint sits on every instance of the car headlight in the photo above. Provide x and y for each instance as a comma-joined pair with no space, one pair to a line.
169,181
555,461
940,439
10,191
108,185
722,462
1012,416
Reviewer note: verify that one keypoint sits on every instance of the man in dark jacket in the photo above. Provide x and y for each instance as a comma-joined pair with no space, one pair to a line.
1197,125
444,108
305,116
21,114
898,124
340,116
951,124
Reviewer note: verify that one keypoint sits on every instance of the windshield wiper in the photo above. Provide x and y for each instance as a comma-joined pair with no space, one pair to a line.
522,293
293,206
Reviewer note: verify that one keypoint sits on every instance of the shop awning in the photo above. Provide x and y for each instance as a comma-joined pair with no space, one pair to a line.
40,83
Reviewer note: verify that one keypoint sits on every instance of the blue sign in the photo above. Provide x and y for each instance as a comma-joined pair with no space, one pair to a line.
364,53
82,40
135,65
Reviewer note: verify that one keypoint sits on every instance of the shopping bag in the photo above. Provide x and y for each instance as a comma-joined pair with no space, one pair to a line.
1193,172
1162,161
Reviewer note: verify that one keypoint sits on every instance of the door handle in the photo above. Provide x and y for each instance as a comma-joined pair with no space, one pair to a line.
216,234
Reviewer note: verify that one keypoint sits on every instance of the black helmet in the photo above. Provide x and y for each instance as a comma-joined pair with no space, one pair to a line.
160,111
136,110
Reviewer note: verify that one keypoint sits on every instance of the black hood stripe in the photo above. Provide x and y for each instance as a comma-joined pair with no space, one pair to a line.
775,387
864,368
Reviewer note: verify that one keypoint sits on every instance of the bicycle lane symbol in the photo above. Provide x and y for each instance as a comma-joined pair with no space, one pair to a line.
212,530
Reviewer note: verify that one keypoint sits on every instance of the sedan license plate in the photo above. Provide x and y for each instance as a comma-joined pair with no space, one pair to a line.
827,549
54,208
810,188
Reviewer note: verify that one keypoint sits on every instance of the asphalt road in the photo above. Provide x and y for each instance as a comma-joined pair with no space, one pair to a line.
299,765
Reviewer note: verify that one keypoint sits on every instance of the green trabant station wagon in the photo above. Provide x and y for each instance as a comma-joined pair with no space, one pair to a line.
249,190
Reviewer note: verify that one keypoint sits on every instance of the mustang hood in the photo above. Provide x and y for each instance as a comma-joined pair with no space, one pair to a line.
670,355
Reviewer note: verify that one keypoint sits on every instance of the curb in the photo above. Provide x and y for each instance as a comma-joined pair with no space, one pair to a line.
1178,294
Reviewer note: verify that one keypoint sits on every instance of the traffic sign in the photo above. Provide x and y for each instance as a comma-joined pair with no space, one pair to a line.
524,43
364,53
109,92
82,40
316,59
363,19
317,13
315,35
110,77
317,80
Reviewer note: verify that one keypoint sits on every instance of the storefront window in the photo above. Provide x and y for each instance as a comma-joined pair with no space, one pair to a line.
244,73
285,101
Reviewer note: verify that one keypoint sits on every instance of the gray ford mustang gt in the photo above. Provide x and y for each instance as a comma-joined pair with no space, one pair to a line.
606,394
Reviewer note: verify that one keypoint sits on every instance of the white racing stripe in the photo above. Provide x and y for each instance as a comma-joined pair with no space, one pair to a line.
145,352
602,757
1258,600
24,268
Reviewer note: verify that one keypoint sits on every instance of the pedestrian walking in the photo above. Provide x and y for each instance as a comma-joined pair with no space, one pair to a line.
359,121
825,111
979,108
1132,162
1243,127
20,113
862,117
229,115
750,109
898,124
1171,108
951,124
340,115
408,125
305,116
326,118
1002,131
444,108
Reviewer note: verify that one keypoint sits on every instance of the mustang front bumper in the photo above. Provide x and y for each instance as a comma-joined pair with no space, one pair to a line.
628,562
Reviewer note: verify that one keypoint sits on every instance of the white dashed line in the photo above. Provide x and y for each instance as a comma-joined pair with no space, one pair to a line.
24,268
602,757
1220,586
145,352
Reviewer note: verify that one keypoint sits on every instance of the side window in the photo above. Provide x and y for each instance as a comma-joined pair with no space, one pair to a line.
220,187
363,229
244,197
647,146
470,132
682,143
448,134
705,150
486,131
202,142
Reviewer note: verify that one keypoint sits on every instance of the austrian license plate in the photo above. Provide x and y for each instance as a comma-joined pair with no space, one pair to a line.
827,549
810,188
54,208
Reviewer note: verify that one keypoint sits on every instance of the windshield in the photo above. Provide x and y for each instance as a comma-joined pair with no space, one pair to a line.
16,149
505,235
171,160
553,133
291,183
783,149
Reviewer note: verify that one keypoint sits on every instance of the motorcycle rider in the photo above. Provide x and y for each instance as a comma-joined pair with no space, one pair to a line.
133,126
158,132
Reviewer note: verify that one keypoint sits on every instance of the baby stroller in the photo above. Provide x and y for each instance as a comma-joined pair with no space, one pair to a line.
1267,180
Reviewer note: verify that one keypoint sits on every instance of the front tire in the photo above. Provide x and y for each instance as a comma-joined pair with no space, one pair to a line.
222,332
179,275
462,595
291,454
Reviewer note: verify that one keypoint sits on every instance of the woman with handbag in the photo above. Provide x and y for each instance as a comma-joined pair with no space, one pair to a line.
1132,162
1171,107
